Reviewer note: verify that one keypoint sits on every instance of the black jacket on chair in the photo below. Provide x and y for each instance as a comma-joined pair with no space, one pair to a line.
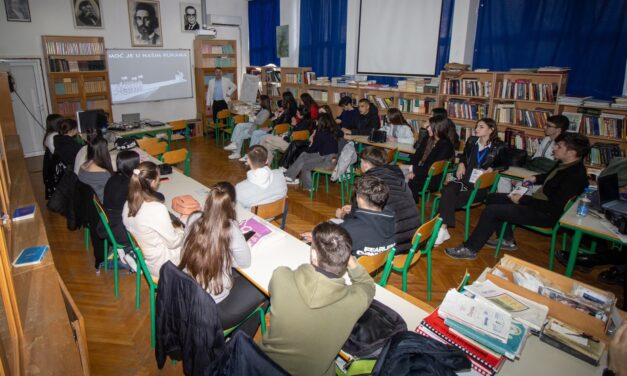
187,324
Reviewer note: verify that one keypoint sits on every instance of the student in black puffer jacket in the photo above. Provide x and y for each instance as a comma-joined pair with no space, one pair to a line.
374,162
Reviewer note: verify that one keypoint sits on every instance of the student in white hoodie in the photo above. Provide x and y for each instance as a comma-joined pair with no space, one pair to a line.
262,185
397,128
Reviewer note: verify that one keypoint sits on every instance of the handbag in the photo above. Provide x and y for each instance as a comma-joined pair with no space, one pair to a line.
185,205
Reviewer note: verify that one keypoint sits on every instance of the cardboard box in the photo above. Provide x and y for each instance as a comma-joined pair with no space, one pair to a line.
589,324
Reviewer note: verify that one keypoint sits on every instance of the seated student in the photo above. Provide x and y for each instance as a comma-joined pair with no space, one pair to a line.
48,171
441,111
287,111
310,104
320,154
483,151
301,122
214,244
262,185
312,309
433,145
115,195
65,145
349,113
397,129
243,131
370,226
568,179
366,121
400,200
542,158
97,170
147,218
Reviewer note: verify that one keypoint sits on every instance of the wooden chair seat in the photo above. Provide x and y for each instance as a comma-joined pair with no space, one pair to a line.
177,137
400,260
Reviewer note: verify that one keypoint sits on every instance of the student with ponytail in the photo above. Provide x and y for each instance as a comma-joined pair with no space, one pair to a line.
146,217
213,246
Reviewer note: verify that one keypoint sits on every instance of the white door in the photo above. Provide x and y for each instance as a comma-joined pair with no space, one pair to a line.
29,104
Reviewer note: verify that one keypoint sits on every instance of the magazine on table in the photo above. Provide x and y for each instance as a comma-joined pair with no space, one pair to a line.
256,230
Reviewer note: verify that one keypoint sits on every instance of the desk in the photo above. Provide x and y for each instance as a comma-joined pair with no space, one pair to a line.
146,130
518,173
403,148
285,250
590,225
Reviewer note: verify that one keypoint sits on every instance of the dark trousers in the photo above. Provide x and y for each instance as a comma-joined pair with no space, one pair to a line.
417,183
453,197
217,107
243,298
501,209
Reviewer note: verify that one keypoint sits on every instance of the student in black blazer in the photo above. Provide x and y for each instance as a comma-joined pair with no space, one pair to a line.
433,145
65,145
544,208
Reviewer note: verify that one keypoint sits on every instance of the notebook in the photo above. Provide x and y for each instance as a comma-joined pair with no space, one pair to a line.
31,256
25,212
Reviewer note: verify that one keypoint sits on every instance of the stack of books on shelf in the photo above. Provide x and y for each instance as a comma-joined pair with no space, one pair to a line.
571,100
526,90
273,75
97,104
320,96
416,105
508,114
350,80
601,154
62,65
467,86
218,62
69,108
596,103
74,48
420,85
308,77
463,109
95,86
381,103
213,49
293,78
67,87
620,103
322,81
519,140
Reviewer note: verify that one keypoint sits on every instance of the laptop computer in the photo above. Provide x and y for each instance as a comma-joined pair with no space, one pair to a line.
131,118
609,196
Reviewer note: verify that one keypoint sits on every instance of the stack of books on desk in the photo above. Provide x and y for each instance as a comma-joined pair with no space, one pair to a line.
571,100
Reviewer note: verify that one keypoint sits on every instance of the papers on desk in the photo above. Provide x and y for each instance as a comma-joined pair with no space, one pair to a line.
260,231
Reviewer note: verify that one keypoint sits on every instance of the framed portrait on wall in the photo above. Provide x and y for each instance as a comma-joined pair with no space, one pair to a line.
87,13
190,17
17,10
144,19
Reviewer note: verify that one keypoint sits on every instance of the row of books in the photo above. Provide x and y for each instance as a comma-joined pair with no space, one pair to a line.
97,104
507,113
213,49
95,86
601,154
66,88
63,65
416,105
526,90
380,102
464,134
69,108
339,95
319,95
463,109
419,85
292,78
218,62
467,86
609,125
308,77
273,75
519,140
273,91
74,48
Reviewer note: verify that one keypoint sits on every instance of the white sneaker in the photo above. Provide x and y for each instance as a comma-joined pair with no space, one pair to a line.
130,261
230,146
289,180
235,156
443,236
121,255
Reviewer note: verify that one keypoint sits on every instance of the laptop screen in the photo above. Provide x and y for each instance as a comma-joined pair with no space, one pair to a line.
130,118
608,188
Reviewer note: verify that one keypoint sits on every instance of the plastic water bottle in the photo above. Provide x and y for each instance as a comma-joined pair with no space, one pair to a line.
584,203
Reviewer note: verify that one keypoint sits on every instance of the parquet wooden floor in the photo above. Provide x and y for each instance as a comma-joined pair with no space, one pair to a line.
119,336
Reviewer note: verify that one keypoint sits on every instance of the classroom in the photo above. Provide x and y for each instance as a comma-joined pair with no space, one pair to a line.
313,187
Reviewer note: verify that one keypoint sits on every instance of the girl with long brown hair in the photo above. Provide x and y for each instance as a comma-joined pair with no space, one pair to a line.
214,244
397,128
146,217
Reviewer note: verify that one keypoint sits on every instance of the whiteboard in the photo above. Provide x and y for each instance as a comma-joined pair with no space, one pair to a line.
398,37
250,87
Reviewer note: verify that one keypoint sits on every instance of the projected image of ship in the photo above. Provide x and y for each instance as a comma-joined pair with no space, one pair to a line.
135,88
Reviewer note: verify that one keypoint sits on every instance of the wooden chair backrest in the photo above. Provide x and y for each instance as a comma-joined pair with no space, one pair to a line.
266,123
223,114
438,167
155,149
391,153
271,210
178,125
300,136
174,156
239,119
281,128
144,142
424,231
373,263
487,179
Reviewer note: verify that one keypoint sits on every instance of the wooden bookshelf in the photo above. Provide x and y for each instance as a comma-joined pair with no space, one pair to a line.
293,80
271,83
466,95
210,54
77,74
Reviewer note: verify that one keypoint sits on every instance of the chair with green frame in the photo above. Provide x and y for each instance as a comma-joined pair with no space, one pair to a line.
552,231
175,157
485,181
278,130
439,168
114,244
222,121
227,131
180,131
425,234
375,262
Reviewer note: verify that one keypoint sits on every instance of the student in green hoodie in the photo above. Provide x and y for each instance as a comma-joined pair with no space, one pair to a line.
312,309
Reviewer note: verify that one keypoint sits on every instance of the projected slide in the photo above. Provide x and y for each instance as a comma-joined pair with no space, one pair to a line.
139,75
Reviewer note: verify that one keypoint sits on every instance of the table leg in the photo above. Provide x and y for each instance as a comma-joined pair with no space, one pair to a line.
574,247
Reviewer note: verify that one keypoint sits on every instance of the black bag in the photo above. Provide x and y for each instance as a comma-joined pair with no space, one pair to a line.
517,157
372,330
125,143
165,169
292,152
541,165
378,136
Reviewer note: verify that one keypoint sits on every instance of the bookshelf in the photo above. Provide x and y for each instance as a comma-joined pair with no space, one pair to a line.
293,79
271,83
77,74
210,54
466,96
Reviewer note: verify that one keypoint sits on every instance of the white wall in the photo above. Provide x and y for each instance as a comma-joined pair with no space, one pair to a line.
290,15
54,17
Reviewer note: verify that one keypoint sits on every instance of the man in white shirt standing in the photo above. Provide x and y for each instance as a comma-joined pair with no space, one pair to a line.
262,185
219,93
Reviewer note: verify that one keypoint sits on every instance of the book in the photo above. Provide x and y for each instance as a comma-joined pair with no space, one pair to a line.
573,341
512,349
259,230
30,256
25,212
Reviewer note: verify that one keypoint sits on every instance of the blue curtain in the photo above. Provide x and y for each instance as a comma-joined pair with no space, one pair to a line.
444,44
263,18
590,37
323,36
